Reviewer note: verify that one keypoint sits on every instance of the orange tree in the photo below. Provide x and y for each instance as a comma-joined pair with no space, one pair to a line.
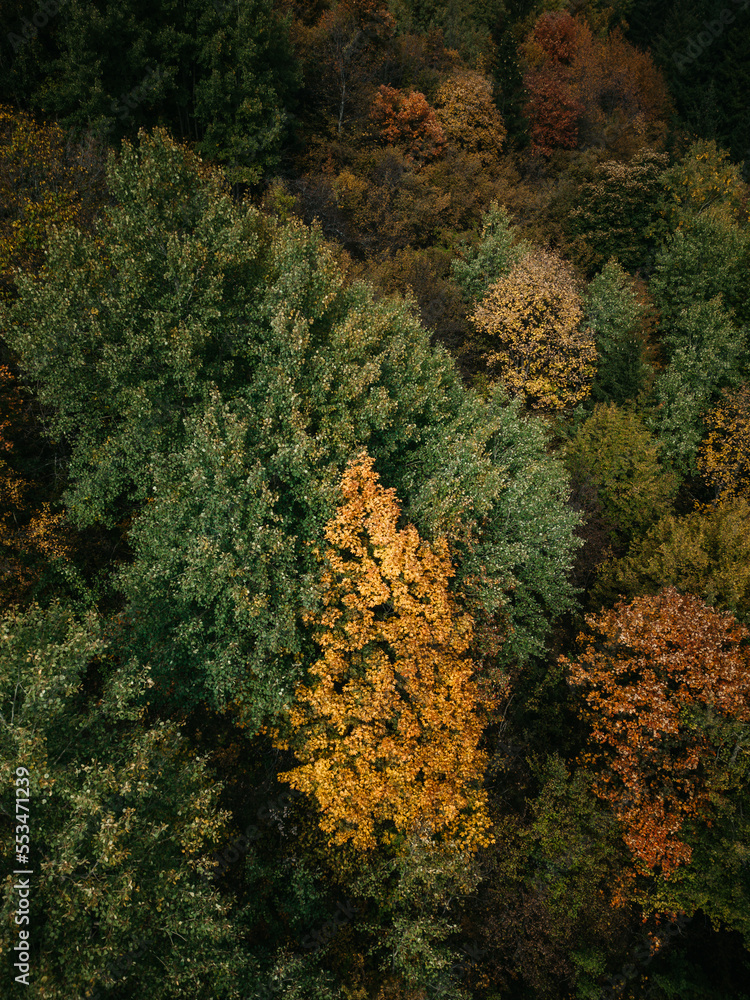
387,730
407,120
664,680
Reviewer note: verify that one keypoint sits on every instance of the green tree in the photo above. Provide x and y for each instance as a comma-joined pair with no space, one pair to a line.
619,214
706,257
195,353
221,74
123,820
130,335
703,179
614,452
707,353
612,310
245,88
706,553
498,250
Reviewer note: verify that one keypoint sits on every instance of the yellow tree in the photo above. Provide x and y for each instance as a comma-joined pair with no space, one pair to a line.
469,116
532,335
387,732
724,456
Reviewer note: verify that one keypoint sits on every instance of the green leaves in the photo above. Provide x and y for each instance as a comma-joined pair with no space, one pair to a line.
612,311
123,820
498,251
614,452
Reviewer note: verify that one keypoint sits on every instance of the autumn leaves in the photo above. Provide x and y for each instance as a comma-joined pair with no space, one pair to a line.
387,729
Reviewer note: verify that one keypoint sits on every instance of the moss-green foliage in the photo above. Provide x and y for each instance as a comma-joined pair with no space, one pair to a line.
499,248
207,366
612,310
123,819
619,214
706,553
615,453
707,257
707,353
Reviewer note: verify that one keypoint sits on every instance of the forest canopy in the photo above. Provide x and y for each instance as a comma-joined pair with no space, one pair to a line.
374,464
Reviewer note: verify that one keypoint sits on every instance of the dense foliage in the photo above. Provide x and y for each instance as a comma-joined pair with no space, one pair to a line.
374,469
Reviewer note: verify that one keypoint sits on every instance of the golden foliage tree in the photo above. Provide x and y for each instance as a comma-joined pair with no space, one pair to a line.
469,116
724,456
532,335
646,671
388,730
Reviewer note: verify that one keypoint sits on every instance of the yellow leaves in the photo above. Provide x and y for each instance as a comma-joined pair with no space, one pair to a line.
388,727
469,117
531,327
40,189
724,456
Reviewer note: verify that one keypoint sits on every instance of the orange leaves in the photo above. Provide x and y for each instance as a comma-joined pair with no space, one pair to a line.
644,672
408,120
387,732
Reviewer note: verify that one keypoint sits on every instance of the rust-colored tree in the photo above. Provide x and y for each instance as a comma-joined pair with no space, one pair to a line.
552,108
407,120
387,731
657,677
623,96
589,91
